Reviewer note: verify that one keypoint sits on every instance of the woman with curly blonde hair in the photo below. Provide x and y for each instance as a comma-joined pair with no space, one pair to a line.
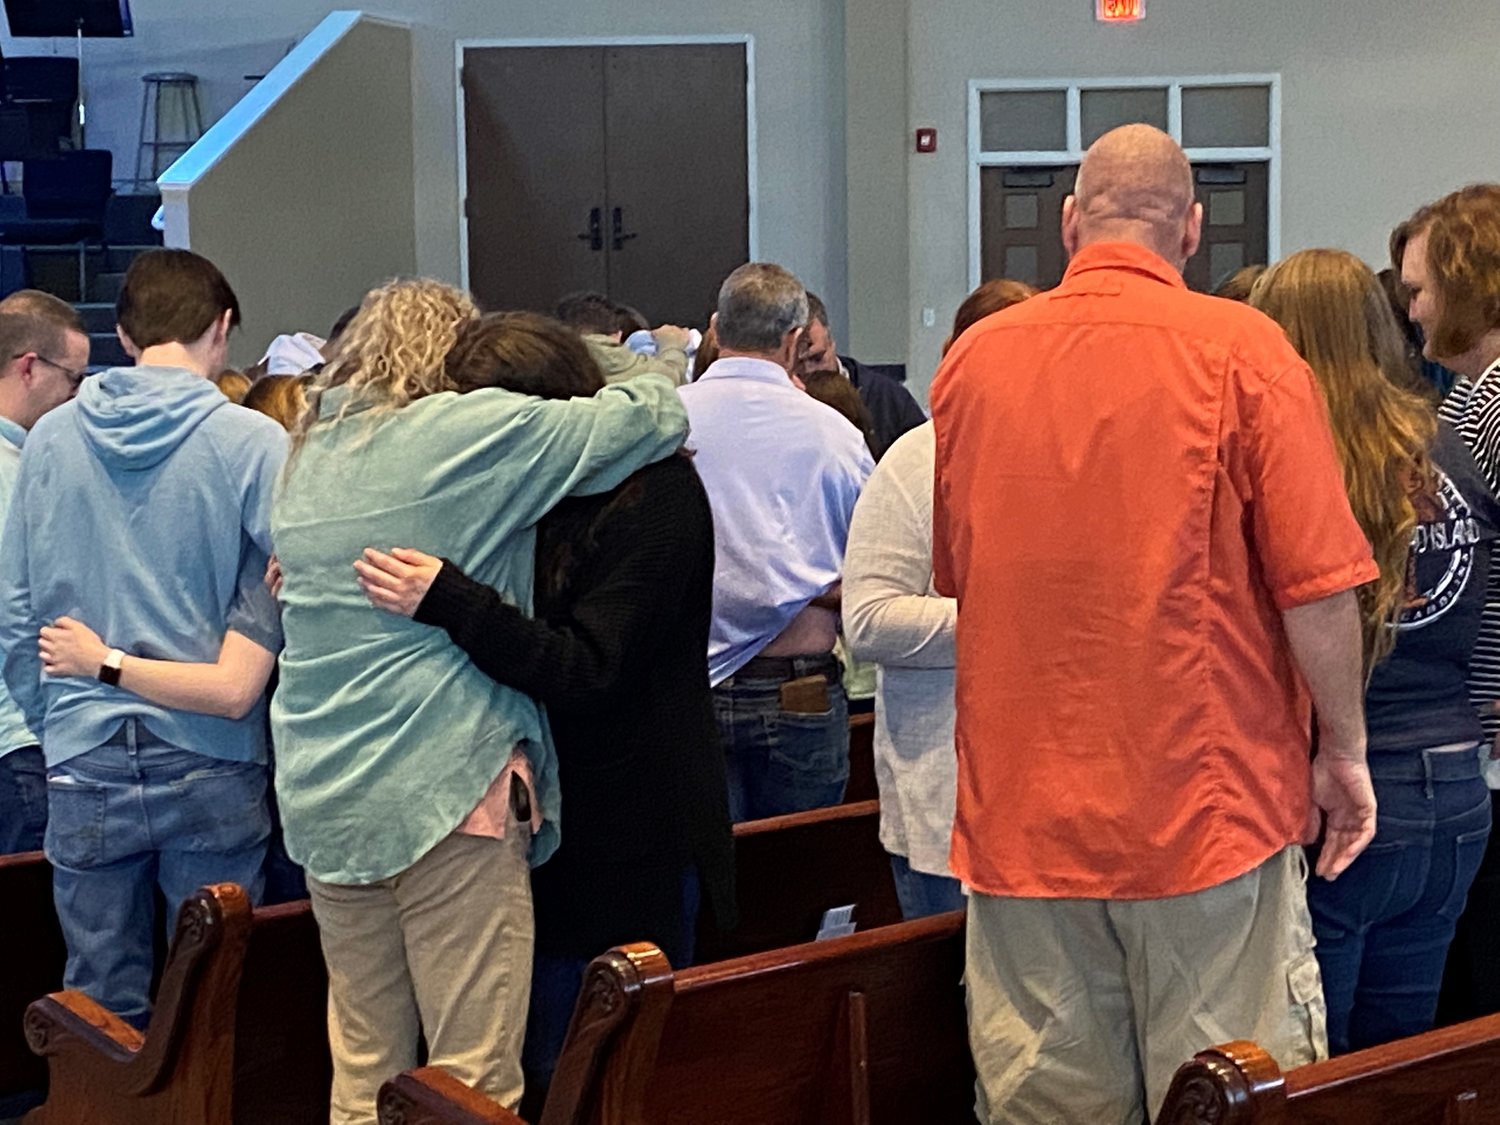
1384,927
414,788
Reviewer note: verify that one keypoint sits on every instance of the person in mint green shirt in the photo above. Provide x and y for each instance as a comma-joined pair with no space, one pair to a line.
413,787
44,355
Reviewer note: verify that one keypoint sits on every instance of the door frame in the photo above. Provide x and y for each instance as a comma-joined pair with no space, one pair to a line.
751,165
979,158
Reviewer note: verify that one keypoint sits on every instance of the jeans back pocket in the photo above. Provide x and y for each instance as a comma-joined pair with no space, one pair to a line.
75,822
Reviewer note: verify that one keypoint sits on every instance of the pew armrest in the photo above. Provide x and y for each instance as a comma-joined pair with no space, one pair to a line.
610,1050
430,1096
76,1035
1234,1084
62,1016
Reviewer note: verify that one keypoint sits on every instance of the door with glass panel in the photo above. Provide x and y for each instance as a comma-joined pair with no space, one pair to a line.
1032,136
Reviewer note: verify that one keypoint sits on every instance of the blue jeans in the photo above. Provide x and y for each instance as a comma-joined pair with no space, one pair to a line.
126,818
782,761
1384,926
921,894
23,800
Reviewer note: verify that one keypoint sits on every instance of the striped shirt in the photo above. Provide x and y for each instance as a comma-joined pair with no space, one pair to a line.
1473,409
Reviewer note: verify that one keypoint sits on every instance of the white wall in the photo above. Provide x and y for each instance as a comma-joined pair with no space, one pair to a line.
799,82
876,131
1386,104
301,246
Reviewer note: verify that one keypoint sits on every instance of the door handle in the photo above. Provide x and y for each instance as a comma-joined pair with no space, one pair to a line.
621,237
594,236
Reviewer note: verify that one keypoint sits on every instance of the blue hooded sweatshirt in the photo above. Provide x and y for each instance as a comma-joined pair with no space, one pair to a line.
142,509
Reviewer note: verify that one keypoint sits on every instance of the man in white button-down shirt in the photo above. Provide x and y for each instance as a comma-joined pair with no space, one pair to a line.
782,472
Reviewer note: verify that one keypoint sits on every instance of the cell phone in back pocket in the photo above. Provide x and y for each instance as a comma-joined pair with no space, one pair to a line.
805,696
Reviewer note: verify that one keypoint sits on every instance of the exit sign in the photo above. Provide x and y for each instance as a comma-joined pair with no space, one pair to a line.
1119,11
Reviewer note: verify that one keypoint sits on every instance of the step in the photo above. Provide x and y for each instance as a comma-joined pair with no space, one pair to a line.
106,287
105,351
98,317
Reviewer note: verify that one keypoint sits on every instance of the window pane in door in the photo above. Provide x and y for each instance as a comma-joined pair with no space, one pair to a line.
1226,208
1226,116
1023,121
1021,264
1020,212
1103,110
1224,259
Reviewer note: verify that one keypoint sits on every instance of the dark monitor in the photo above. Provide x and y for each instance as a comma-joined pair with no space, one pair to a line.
51,19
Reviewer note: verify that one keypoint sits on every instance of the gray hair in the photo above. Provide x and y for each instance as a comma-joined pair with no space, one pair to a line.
759,303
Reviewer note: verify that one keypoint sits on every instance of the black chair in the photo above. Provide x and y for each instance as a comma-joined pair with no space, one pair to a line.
66,199
37,96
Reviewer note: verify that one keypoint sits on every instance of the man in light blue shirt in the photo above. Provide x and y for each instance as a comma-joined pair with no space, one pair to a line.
156,780
782,472
44,354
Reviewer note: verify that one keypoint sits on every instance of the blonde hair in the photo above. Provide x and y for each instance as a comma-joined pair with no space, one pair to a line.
233,385
1336,315
281,398
392,352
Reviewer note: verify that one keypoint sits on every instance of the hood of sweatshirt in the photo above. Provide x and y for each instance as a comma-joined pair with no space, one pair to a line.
135,417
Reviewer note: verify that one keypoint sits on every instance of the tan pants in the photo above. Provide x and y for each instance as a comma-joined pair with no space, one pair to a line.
1080,1010
444,947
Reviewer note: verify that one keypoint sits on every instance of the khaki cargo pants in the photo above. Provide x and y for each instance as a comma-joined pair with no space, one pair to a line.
1080,1010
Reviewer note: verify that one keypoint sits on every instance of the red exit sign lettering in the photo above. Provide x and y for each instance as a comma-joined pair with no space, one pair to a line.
1119,11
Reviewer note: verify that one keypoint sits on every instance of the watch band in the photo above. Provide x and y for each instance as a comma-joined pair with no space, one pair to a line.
109,671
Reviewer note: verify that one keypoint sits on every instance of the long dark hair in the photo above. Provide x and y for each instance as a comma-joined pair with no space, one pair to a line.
535,355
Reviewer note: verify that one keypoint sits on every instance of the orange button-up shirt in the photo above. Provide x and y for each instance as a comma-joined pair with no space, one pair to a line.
1132,482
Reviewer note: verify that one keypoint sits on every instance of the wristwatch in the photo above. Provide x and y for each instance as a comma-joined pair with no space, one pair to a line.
109,671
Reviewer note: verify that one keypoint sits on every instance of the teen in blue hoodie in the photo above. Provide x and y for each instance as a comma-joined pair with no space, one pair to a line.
142,508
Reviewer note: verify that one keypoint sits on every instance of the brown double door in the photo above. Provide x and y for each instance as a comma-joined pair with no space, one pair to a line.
1021,219
616,169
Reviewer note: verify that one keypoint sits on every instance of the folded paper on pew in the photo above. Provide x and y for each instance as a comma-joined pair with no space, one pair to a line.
838,922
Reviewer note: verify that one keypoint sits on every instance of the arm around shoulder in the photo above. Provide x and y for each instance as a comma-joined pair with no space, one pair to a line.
625,427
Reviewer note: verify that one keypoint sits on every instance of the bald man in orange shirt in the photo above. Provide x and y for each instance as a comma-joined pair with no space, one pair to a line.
1141,511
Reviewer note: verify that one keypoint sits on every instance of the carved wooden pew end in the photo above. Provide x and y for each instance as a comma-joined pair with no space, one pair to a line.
214,1053
1450,1076
867,1028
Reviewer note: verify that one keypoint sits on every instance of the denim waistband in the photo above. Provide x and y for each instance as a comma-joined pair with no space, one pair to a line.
1426,765
134,733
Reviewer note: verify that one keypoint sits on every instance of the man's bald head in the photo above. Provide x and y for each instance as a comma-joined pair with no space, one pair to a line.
1135,185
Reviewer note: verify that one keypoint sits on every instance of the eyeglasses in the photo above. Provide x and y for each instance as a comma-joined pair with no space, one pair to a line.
75,378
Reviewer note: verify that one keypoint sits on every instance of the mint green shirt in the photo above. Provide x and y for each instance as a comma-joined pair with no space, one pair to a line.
14,733
386,735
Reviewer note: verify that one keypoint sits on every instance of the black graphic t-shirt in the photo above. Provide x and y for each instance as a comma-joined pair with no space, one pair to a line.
1418,696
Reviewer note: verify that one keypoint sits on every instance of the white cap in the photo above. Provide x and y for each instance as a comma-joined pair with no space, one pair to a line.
294,354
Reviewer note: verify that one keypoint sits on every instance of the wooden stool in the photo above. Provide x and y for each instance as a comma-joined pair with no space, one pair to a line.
180,91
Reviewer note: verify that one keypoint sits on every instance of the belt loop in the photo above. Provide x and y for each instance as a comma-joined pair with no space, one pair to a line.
1427,772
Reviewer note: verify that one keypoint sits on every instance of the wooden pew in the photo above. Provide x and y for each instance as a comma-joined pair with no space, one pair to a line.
33,965
790,869
864,1030
862,786
1446,1077
237,1035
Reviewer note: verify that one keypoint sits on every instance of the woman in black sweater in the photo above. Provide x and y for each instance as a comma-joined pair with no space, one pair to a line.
617,653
